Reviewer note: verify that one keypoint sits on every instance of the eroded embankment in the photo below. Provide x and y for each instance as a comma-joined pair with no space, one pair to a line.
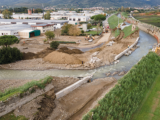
71,106
79,101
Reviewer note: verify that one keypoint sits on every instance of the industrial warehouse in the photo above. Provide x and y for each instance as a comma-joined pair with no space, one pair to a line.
28,28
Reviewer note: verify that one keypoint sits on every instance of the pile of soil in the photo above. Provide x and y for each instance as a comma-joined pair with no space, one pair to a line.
69,51
41,54
61,58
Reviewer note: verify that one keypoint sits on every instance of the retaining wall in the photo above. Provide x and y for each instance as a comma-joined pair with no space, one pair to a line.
72,87
122,53
16,101
148,28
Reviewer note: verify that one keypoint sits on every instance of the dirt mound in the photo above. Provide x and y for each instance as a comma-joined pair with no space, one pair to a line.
69,51
61,58
41,54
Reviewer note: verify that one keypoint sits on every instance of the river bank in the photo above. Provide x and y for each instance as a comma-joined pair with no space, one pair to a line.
89,60
70,107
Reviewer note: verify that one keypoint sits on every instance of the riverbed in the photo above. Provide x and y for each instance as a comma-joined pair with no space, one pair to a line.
126,62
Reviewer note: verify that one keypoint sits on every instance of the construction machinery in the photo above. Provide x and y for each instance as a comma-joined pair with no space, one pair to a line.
157,48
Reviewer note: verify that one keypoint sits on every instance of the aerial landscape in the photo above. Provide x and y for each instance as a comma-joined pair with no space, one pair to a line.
80,60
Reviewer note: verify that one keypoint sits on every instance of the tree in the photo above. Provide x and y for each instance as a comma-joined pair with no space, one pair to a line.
74,31
7,14
47,16
7,53
38,10
98,17
65,29
7,40
89,25
98,28
49,34
57,32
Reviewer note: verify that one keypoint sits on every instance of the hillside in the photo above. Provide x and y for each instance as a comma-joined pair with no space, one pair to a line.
81,3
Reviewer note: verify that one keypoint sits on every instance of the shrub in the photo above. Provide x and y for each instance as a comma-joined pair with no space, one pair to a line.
54,44
74,31
82,31
9,55
49,34
89,25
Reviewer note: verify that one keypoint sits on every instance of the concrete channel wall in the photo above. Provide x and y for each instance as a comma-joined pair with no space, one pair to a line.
125,51
16,101
72,87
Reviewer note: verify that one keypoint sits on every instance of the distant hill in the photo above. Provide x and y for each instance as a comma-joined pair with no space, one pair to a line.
79,3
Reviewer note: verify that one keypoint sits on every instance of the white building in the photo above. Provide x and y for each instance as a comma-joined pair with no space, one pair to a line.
43,27
57,23
13,29
77,19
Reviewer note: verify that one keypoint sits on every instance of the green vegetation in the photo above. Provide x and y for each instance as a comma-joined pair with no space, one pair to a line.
47,16
150,108
11,116
99,17
7,14
128,31
49,35
125,98
116,33
93,32
54,44
20,90
150,19
8,54
125,14
113,21
65,29
89,25
7,40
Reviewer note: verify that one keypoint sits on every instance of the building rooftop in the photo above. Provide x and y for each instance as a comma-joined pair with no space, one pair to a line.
42,25
33,21
13,27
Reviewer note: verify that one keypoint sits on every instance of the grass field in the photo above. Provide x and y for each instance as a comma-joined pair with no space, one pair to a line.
113,21
150,107
92,32
153,19
125,14
11,116
128,31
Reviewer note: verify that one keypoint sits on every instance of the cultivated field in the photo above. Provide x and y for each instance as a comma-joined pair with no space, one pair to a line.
150,108
152,19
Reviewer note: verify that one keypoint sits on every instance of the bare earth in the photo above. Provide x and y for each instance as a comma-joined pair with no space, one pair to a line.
91,59
77,103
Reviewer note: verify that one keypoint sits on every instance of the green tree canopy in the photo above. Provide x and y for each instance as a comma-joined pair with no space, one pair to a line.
8,40
47,16
49,34
65,28
38,10
7,14
98,17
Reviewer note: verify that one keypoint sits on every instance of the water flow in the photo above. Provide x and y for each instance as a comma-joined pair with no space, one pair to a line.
126,62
